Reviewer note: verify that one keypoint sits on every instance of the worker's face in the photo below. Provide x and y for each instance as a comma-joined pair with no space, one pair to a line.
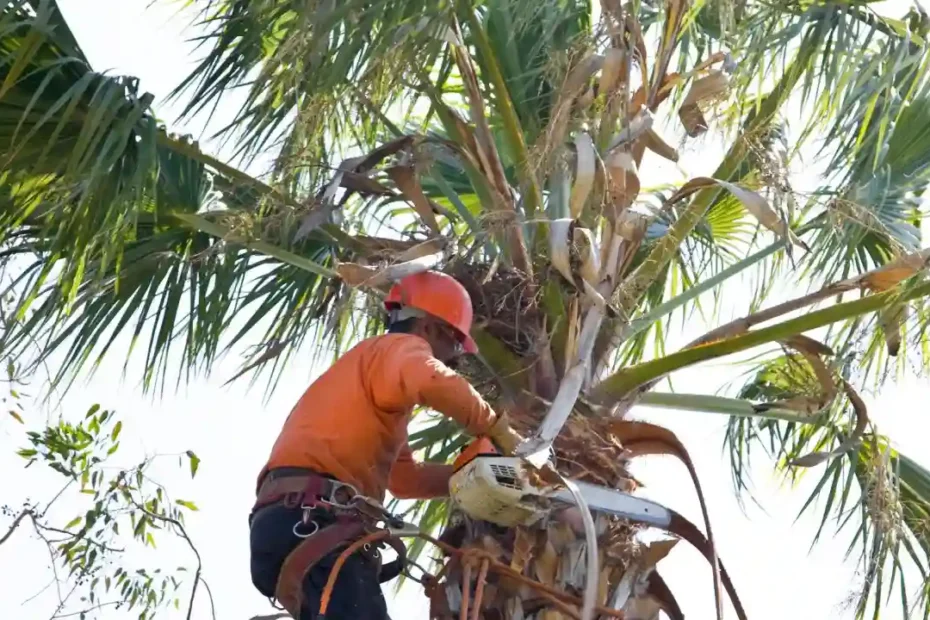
444,340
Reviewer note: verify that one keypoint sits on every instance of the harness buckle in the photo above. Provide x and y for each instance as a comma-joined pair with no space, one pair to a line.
293,500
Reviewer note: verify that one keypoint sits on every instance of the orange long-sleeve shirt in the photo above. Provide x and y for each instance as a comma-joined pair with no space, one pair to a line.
351,423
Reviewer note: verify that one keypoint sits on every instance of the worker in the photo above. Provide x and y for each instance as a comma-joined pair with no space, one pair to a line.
346,438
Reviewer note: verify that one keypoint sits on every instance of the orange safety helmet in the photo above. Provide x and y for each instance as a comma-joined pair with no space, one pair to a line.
437,294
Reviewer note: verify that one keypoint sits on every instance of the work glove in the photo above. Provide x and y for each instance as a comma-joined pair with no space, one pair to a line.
504,437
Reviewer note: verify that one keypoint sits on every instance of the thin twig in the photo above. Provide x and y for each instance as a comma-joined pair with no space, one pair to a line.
84,611
210,596
183,532
72,535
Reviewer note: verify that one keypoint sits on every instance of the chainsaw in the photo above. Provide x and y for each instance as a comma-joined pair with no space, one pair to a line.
508,491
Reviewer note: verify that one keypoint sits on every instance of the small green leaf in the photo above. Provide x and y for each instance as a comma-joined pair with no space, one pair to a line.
73,522
187,504
195,462
16,417
150,540
93,409
116,430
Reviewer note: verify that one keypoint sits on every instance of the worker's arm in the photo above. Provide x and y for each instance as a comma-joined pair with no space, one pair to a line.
412,480
409,375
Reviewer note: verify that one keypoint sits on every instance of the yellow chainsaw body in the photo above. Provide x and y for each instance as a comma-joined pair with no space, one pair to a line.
496,489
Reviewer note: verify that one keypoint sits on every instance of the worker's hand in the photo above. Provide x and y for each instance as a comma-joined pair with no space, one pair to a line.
504,437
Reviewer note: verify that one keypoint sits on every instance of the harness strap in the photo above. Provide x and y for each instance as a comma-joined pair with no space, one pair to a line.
293,489
396,566
311,550
304,488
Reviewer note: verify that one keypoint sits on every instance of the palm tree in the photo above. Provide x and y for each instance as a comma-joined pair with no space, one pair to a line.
508,142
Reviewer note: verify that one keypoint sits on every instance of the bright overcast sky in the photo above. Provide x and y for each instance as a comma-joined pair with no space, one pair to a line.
232,429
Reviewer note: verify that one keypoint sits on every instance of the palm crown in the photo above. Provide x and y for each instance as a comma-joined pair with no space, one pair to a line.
507,142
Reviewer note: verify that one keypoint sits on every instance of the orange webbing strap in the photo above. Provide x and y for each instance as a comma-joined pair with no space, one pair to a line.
334,573
289,590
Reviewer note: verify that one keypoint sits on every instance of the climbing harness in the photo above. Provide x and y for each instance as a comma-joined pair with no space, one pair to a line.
333,515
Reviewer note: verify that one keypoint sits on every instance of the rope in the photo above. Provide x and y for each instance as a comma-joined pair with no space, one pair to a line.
479,589
337,567
466,592
567,603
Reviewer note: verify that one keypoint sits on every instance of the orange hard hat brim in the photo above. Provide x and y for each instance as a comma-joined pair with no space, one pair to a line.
469,345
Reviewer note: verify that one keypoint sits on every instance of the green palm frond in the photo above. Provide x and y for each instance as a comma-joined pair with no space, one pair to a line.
471,126
83,154
878,495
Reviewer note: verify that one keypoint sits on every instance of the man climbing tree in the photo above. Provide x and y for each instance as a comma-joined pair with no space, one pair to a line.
345,443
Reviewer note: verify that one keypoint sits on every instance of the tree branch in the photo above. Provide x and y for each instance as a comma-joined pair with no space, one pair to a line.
16,522
183,532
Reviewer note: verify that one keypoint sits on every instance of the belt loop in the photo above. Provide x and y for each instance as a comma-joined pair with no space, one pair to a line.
293,500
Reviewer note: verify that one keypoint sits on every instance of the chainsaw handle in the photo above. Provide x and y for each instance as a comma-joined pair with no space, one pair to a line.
479,446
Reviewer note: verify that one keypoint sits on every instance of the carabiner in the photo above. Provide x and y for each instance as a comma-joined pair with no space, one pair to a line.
405,530
333,501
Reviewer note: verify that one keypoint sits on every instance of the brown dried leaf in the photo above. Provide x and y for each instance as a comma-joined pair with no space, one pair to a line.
603,583
356,182
851,442
639,43
656,551
674,15
586,248
643,607
560,535
654,142
811,350
523,544
663,594
405,177
893,273
702,90
584,173
430,246
892,319
546,564
806,344
612,72
641,438
355,275
622,181
759,208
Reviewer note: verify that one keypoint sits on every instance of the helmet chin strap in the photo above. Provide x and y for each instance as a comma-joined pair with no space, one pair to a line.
402,313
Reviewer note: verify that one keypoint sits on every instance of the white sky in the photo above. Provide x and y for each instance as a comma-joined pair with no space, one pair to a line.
231,429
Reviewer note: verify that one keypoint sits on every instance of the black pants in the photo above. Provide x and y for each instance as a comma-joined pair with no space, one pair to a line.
357,594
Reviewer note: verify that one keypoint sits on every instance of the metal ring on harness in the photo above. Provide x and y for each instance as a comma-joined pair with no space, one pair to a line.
299,524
